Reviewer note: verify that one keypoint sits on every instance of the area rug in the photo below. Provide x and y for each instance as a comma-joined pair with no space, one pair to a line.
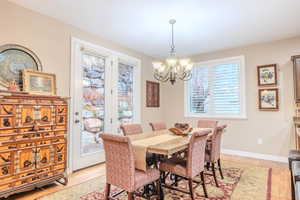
241,182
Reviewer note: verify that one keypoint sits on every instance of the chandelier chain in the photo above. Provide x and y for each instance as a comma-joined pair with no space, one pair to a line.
172,45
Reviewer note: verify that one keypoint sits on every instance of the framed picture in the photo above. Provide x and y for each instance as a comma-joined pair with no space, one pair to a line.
268,99
267,75
13,59
39,83
152,94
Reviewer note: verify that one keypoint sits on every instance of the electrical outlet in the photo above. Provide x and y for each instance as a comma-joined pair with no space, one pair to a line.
259,141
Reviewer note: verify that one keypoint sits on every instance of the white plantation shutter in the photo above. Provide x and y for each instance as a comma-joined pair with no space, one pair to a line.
226,89
217,89
199,90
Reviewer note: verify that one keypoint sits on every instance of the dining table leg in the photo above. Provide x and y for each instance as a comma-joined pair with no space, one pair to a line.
161,181
163,177
161,192
176,180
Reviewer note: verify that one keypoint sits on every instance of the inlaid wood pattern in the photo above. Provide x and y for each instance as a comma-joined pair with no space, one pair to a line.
33,145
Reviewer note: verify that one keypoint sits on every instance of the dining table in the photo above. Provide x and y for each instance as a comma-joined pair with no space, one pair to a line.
163,143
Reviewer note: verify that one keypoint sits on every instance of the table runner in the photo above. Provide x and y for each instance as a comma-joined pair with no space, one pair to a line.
142,142
140,147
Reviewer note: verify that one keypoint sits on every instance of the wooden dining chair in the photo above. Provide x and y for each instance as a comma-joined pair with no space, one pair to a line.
192,166
207,123
156,126
131,129
213,152
120,168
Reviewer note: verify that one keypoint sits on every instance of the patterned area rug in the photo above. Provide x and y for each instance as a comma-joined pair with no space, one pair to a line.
240,182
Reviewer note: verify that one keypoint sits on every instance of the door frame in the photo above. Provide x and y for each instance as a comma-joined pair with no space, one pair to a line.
76,44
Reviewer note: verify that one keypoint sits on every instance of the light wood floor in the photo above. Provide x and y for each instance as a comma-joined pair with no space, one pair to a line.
280,179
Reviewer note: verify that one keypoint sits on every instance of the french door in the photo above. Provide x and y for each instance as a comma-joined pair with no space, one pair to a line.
105,94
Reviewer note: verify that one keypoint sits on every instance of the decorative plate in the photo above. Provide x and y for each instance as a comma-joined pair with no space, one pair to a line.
13,59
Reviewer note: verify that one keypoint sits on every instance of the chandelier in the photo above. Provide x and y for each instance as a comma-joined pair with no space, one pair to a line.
173,68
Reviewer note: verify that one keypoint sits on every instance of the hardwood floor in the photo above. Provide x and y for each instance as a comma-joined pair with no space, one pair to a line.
280,179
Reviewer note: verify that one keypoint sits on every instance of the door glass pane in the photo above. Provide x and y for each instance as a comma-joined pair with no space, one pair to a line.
93,103
125,95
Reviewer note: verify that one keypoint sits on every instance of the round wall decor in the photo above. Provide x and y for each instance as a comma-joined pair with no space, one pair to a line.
13,59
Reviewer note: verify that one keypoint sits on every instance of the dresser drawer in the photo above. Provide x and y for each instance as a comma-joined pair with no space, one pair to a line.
6,164
25,159
43,142
5,184
8,147
59,168
44,156
25,178
44,172
61,110
7,110
46,115
8,135
7,122
27,116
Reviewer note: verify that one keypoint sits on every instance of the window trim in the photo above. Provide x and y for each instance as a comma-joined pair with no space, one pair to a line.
211,63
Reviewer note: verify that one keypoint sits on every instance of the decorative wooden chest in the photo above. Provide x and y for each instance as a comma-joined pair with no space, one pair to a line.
33,142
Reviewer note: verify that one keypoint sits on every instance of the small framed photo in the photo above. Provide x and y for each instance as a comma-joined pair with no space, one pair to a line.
268,99
152,94
39,83
267,75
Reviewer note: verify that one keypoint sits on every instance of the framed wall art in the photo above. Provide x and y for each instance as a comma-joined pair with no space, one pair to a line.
296,67
13,59
39,83
267,75
268,99
152,94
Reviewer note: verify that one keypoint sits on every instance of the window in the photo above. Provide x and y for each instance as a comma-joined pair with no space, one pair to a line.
217,89
125,95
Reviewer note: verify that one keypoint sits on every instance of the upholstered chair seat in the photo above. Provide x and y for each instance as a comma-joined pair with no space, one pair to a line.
143,178
175,166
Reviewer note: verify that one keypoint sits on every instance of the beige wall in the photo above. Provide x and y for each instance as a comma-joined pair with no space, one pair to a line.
274,128
50,40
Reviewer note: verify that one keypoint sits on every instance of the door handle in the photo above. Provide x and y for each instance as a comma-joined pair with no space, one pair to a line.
77,121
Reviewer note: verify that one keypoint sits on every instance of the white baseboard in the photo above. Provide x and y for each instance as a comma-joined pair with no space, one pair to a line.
255,155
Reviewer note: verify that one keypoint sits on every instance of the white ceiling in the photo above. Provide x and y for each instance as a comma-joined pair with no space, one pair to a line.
202,25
